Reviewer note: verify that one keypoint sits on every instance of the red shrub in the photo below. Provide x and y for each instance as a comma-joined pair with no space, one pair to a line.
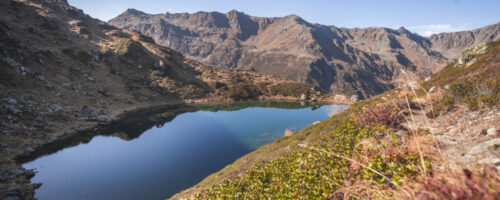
384,115
469,185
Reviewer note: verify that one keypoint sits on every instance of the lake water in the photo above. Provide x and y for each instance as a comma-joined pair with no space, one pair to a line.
167,158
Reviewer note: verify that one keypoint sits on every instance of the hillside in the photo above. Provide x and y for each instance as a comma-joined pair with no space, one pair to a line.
65,74
431,139
358,61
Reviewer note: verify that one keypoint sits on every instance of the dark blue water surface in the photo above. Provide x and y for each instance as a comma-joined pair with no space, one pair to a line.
163,161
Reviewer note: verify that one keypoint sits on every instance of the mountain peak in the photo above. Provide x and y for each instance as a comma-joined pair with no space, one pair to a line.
403,30
132,11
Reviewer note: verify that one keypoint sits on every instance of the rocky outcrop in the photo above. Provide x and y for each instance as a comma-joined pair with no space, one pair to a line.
359,61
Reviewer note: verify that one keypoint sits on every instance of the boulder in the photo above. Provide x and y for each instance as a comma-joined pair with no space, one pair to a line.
491,132
354,98
303,97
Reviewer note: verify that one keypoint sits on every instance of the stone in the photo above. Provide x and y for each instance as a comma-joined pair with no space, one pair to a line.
303,97
103,118
104,91
29,149
491,132
66,85
49,86
158,73
354,98
159,64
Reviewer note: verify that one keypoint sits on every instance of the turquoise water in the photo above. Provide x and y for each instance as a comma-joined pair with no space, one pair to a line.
168,158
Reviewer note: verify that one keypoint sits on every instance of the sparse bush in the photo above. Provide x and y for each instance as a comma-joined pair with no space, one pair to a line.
290,89
383,114
467,185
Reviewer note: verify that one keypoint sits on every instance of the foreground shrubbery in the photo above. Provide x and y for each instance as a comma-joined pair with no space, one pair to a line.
318,171
383,114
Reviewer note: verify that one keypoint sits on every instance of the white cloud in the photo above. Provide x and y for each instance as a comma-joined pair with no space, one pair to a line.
427,30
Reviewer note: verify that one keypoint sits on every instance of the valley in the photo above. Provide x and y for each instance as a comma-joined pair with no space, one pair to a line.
214,105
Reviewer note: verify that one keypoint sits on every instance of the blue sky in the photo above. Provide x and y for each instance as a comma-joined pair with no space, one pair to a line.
421,16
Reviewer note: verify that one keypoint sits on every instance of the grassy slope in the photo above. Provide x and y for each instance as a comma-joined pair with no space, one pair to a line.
255,173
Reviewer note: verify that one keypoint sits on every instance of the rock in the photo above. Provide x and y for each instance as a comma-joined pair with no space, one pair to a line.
104,91
83,31
24,70
491,132
159,64
313,99
88,77
16,172
49,86
66,85
158,73
354,98
40,77
303,97
427,79
29,150
103,118
11,101
86,113
12,198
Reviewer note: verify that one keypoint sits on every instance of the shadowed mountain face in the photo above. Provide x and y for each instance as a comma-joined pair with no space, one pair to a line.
362,61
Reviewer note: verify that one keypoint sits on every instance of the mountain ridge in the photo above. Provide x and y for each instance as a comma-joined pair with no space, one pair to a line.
351,61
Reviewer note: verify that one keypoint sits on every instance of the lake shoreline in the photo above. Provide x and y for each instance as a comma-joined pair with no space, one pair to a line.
85,131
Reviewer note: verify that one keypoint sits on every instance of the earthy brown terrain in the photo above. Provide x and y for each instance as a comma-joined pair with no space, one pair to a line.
358,61
432,139
64,74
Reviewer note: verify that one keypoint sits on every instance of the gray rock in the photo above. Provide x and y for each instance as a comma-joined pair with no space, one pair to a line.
86,113
104,91
49,86
491,132
66,85
103,118
24,70
29,149
11,101
158,73
40,77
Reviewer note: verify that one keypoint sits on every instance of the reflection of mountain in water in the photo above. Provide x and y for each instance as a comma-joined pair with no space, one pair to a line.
132,125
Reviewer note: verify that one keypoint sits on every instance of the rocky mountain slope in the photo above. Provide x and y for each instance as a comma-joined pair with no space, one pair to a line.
361,61
64,74
433,139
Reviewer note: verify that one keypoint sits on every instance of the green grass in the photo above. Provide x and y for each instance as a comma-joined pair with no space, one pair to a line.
476,86
315,174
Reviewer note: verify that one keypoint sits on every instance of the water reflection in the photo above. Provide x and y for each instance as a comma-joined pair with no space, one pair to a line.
155,155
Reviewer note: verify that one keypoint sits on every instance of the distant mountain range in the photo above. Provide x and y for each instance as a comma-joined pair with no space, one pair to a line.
361,61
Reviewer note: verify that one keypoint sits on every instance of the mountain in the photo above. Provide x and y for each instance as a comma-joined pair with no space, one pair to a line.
64,74
375,150
361,61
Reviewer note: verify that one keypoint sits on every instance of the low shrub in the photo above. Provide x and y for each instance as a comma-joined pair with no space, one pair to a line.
466,185
382,114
